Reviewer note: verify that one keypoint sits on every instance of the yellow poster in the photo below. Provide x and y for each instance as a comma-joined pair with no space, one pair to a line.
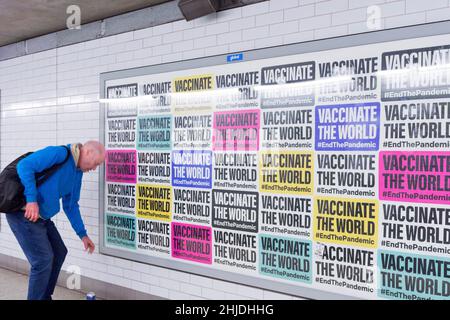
193,94
346,221
287,172
154,202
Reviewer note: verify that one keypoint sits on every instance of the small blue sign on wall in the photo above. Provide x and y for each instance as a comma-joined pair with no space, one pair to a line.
235,57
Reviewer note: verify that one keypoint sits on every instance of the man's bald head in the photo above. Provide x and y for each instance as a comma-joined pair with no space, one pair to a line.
95,146
92,154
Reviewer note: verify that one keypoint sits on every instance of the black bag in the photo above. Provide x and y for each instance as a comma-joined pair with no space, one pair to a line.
12,197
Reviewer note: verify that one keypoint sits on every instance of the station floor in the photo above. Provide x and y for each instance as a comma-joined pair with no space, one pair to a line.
13,286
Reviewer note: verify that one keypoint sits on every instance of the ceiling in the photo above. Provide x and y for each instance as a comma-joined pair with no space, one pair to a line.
25,19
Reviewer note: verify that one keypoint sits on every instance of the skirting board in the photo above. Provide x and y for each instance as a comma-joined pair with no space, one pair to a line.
103,290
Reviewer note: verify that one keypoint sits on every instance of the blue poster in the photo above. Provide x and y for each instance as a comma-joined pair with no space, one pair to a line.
349,127
192,169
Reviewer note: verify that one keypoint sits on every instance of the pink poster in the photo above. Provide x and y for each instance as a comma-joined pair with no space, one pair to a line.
236,130
415,176
191,242
121,166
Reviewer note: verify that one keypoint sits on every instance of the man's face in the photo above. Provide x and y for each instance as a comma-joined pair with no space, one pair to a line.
90,160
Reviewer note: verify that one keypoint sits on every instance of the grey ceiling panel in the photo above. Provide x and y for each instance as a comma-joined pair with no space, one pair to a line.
25,19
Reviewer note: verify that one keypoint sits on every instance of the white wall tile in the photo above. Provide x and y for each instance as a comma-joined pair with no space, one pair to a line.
421,5
332,6
270,18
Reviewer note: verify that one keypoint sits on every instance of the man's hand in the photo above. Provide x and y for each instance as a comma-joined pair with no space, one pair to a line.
32,211
88,244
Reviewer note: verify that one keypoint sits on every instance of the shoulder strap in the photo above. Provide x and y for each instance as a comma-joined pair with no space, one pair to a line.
42,176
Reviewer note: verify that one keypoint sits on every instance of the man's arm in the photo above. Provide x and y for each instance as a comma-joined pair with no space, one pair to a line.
72,210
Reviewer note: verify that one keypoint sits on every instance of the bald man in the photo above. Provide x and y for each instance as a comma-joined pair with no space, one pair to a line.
32,227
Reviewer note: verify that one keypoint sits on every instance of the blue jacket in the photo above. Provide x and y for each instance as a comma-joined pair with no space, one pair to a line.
65,183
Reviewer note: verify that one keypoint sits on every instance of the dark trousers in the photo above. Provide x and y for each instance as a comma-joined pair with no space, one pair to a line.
44,249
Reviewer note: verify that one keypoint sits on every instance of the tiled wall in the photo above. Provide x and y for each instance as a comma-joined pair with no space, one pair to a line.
51,98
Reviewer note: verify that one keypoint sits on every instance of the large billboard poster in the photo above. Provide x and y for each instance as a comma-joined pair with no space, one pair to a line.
327,170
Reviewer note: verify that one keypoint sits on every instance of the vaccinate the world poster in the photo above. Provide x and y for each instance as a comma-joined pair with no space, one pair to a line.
327,170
